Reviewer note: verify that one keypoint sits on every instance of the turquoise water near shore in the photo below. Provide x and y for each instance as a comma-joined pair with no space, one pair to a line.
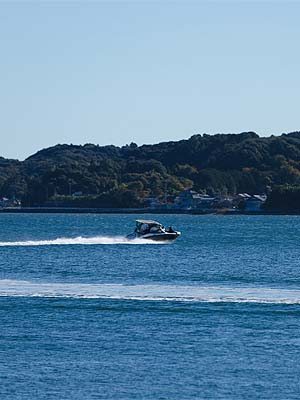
87,314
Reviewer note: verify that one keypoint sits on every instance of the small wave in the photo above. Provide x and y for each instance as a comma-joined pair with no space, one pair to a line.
80,240
206,294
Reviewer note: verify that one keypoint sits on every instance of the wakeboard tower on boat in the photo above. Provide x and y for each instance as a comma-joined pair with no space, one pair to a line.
152,230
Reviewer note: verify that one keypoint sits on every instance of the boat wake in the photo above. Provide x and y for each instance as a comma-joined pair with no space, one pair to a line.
206,294
80,240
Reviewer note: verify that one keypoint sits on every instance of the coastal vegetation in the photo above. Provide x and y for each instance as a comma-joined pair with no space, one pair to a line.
128,176
284,197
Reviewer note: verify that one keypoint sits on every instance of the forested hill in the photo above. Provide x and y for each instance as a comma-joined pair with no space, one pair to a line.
126,176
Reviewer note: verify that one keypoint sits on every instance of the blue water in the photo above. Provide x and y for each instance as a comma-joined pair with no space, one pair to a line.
86,314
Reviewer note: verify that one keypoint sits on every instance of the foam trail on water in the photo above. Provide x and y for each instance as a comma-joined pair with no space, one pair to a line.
80,240
216,294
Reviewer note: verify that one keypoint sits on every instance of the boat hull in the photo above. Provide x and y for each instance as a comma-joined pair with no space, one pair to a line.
158,237
163,237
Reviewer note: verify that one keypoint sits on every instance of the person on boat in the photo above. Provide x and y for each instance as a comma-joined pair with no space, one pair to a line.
144,228
154,229
171,230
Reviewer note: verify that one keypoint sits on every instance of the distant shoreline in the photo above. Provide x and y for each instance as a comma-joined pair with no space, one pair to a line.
71,210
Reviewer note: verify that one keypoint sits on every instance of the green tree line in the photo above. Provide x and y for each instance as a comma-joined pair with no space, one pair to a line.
110,176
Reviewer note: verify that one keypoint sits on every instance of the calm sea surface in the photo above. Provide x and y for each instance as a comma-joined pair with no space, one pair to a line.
87,315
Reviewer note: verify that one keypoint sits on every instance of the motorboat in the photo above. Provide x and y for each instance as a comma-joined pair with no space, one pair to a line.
152,230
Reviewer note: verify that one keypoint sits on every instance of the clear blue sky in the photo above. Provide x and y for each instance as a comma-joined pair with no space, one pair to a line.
116,72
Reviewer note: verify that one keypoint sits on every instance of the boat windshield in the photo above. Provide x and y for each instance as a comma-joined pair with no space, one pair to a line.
144,226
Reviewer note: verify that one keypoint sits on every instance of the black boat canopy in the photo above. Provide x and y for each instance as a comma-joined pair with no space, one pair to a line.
148,222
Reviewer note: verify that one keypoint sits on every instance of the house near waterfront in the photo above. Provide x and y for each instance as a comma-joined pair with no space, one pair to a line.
6,202
187,199
239,200
190,199
248,202
255,202
206,202
223,203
